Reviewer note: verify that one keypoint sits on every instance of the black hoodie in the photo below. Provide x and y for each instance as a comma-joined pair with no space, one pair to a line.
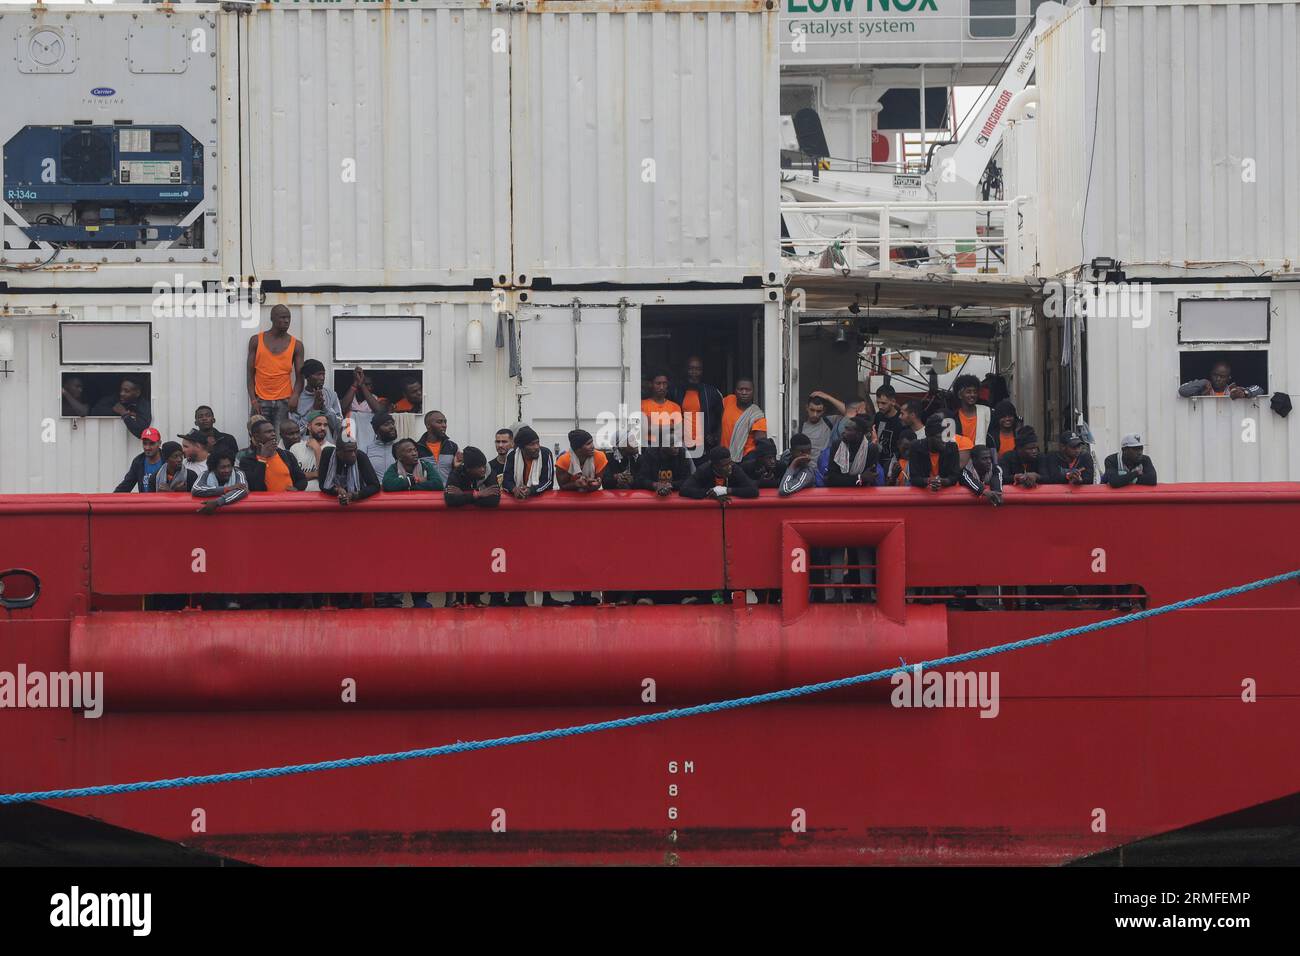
702,482
655,464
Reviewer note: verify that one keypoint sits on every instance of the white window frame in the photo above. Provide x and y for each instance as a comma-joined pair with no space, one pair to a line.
90,365
349,362
1222,342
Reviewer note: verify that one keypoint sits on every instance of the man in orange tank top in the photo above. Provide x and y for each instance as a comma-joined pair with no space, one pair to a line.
274,370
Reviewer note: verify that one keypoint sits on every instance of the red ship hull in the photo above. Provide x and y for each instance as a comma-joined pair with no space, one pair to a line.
1098,740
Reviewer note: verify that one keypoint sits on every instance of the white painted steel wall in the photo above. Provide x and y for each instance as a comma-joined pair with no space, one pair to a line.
201,361
599,93
1020,174
1059,125
378,144
1194,99
1133,378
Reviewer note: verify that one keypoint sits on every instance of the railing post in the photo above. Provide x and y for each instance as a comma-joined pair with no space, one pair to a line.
1011,236
884,237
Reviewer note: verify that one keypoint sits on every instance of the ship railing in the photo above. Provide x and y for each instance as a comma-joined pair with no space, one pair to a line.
1005,246
103,552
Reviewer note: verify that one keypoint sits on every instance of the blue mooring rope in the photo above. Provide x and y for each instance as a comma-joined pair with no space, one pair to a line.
734,704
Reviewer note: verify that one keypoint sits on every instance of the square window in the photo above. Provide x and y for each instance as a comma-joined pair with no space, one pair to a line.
394,386
105,343
992,18
93,394
1223,320
1249,367
364,339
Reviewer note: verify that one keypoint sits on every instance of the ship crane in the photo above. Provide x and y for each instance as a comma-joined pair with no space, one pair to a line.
845,206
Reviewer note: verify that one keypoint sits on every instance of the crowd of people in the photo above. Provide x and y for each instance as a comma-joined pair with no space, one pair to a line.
692,440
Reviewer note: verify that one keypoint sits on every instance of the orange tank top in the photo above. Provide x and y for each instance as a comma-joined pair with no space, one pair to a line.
273,374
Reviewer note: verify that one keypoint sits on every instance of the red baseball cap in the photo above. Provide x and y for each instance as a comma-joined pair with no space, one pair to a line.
151,434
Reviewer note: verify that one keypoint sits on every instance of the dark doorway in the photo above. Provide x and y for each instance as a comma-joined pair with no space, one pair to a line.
727,337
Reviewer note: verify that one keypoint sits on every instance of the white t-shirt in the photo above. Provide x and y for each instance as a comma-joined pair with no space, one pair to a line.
200,468
306,459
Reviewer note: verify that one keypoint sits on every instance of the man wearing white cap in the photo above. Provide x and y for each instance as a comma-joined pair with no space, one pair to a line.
1130,466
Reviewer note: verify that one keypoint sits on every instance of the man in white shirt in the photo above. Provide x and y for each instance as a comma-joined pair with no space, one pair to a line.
307,452
195,448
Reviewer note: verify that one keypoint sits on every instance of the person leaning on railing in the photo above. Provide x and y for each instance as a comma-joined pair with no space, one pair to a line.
530,468
222,484
982,477
410,472
934,463
719,478
469,483
581,467
1071,465
345,474
1023,466
1130,466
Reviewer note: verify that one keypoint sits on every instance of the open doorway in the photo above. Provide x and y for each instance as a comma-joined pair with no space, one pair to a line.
728,338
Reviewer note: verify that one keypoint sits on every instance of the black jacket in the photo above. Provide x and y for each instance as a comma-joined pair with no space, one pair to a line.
710,406
134,476
888,431
136,419
545,479
255,471
1013,464
918,463
369,482
753,464
655,464
1113,478
461,488
1054,469
617,465
701,483
839,479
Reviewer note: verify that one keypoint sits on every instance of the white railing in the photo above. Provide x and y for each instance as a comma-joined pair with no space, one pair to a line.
884,241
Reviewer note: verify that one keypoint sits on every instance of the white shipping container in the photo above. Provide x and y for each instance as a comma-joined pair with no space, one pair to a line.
447,142
378,144
645,142
557,373
1170,135
196,360
85,92
1134,370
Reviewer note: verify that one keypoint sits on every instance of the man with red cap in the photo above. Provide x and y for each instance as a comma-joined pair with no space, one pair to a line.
145,465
